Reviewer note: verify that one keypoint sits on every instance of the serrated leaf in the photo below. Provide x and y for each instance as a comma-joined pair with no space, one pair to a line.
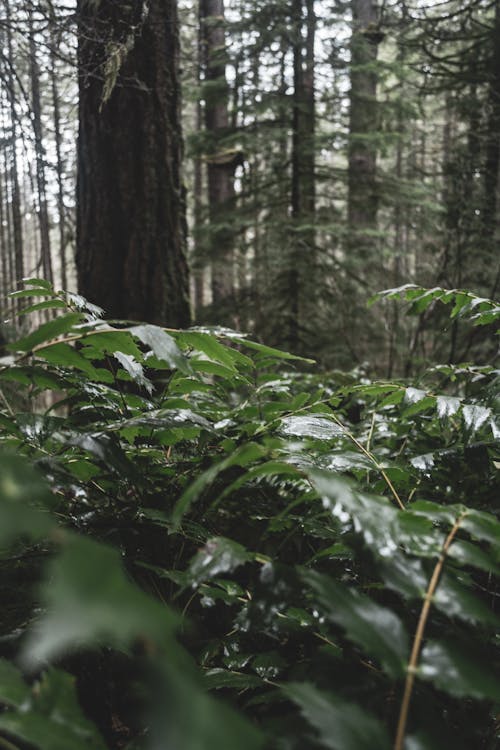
162,345
473,555
218,678
209,345
313,426
104,447
165,419
414,395
482,525
65,355
457,670
135,370
377,630
51,304
475,416
89,601
345,461
455,599
51,718
46,332
243,456
447,406
219,555
340,725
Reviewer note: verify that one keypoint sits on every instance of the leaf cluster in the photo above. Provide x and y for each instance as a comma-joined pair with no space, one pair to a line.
206,544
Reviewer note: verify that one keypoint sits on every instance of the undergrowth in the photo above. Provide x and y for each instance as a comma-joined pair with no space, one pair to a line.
206,544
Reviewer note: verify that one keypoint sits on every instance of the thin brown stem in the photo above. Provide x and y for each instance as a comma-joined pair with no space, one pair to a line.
372,458
419,634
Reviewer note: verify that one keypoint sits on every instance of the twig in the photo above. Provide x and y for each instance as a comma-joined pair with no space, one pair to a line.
419,634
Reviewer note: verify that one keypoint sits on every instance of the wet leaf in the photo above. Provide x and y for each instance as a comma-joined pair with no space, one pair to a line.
456,670
378,631
340,725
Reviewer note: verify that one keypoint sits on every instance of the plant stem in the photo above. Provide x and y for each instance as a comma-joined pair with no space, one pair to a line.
372,458
419,634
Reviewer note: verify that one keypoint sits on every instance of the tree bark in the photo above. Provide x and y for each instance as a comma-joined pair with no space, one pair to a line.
17,224
491,219
220,165
41,184
130,197
362,170
61,208
303,198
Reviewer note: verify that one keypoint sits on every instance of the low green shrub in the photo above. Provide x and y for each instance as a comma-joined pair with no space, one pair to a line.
207,544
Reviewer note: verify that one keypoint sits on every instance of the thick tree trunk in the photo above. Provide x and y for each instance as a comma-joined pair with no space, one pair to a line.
131,209
220,165
362,171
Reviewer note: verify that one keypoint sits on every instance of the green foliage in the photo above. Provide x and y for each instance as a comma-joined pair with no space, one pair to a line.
203,549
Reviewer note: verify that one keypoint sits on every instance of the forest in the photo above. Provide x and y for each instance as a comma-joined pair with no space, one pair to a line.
249,374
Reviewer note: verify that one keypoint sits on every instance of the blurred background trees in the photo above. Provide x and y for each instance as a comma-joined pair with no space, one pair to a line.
331,149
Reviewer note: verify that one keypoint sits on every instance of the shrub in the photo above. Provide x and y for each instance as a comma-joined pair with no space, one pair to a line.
208,545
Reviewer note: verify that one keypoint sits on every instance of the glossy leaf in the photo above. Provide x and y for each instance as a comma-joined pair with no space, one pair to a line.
378,631
47,332
340,725
455,670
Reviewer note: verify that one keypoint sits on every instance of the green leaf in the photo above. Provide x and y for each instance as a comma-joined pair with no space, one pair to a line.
475,416
455,599
241,457
46,332
447,406
314,426
135,370
90,602
162,345
38,283
219,555
458,670
165,419
24,500
209,345
483,526
51,718
474,556
50,304
13,689
65,355
108,340
224,678
341,725
378,631
104,447
268,351
186,717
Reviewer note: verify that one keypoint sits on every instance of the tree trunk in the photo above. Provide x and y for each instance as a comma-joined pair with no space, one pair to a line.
362,176
491,228
61,209
302,244
17,224
130,198
36,104
220,165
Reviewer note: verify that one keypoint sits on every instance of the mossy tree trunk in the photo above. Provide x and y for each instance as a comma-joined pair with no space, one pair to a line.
130,197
